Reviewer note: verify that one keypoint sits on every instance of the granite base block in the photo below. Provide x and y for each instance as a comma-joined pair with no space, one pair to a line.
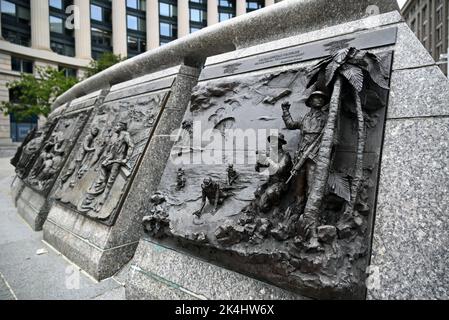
33,208
160,273
99,263
410,247
421,92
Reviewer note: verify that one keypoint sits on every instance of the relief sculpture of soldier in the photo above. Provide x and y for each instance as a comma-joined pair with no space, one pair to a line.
279,164
116,155
49,168
49,160
28,152
76,168
311,126
215,193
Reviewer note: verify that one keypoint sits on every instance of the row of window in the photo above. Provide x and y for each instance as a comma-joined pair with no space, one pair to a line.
27,66
16,27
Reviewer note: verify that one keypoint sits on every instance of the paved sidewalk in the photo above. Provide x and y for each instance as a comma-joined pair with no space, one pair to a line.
30,269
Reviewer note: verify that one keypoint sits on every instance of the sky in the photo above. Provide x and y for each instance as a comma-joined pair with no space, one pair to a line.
401,2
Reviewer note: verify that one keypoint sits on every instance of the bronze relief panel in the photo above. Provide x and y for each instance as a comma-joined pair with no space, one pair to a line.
274,173
97,177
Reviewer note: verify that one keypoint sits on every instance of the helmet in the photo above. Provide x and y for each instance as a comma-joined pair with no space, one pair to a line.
317,94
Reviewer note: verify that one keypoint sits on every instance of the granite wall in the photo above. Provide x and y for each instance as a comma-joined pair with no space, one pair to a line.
410,241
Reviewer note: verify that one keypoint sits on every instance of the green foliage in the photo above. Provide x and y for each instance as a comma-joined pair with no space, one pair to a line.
36,93
105,61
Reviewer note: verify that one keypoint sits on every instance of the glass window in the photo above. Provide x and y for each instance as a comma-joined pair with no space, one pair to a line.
226,3
68,72
165,29
101,37
136,23
15,94
8,7
21,65
196,15
131,4
19,38
194,29
167,10
96,13
23,14
136,4
56,24
225,16
254,5
56,4
136,44
62,48
132,22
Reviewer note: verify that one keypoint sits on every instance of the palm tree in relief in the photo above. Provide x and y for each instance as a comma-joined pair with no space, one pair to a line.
350,71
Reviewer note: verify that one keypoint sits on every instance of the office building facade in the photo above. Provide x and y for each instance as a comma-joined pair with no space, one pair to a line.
429,20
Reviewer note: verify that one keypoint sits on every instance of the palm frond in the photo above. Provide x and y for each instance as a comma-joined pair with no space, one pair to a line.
331,69
354,75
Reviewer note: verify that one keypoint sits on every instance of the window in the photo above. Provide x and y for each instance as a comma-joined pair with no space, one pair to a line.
167,10
166,29
132,22
101,27
226,10
21,14
8,7
439,34
56,4
22,39
101,38
96,13
136,45
226,3
136,4
68,72
21,65
136,23
225,16
197,15
252,5
62,48
14,94
56,24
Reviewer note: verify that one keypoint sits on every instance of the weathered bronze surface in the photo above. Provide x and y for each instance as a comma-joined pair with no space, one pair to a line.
108,153
55,151
31,147
296,210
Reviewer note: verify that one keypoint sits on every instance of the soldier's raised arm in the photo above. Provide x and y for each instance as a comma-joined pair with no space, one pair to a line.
287,117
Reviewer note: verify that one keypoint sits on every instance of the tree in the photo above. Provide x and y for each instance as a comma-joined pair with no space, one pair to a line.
353,71
36,93
105,61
